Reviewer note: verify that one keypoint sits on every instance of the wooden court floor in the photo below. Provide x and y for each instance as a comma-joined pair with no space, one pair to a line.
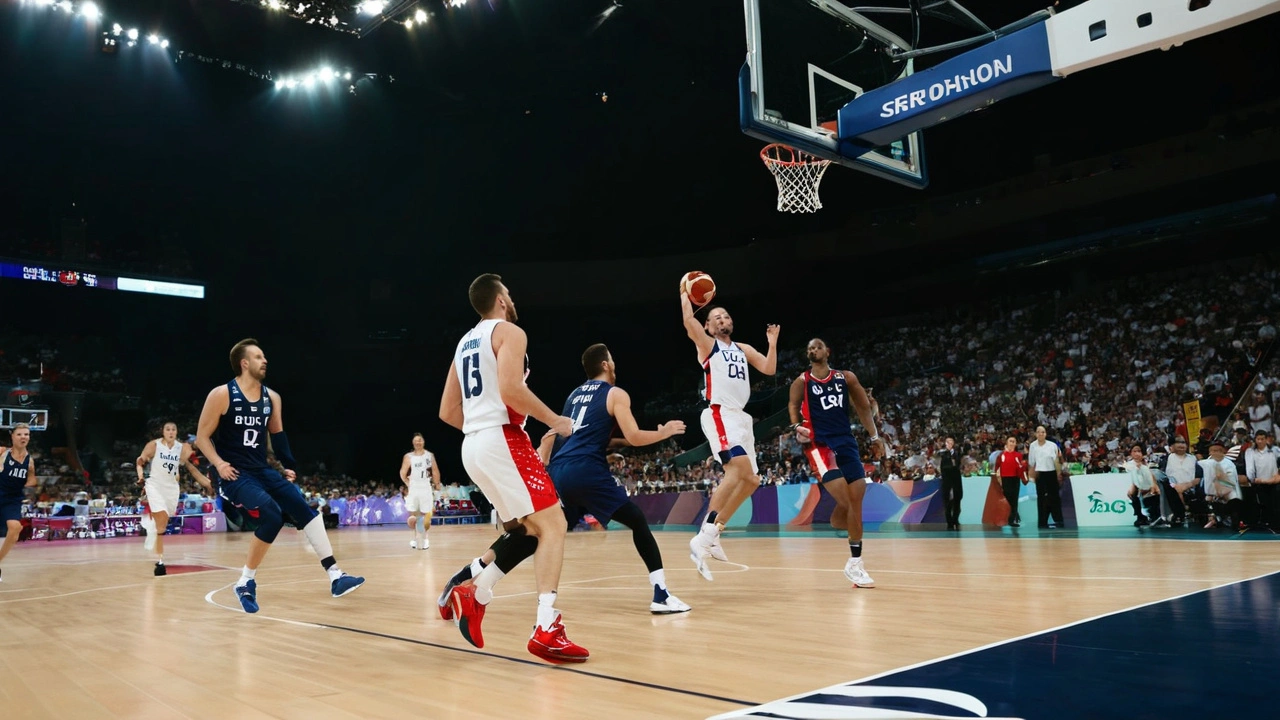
87,631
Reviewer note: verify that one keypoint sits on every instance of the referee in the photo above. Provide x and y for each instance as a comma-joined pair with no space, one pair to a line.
1044,458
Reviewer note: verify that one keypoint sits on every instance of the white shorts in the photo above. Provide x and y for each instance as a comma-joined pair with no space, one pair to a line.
503,464
420,500
162,496
726,429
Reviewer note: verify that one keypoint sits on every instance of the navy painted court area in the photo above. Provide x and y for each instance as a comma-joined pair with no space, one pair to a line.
1207,654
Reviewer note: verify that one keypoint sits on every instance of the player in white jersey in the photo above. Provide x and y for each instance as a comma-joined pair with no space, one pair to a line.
163,459
486,398
420,475
727,387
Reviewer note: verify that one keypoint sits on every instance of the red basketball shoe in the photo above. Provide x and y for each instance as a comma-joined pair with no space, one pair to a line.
467,613
552,645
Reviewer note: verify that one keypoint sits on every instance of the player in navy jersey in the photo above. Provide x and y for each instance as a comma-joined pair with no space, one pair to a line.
232,435
581,474
820,403
16,475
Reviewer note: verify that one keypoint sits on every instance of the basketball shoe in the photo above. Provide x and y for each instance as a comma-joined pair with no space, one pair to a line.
669,606
857,574
248,594
413,544
467,613
552,645
698,553
345,584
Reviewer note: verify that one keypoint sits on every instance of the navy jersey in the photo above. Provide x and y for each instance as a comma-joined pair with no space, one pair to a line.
826,407
588,407
241,438
13,475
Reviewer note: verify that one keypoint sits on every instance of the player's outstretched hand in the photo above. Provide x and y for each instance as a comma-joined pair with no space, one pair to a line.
671,429
563,426
226,472
771,333
804,435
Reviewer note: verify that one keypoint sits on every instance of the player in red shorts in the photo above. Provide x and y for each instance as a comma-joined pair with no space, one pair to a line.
486,398
820,404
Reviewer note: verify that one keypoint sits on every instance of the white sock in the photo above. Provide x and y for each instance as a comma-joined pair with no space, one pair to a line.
658,577
485,582
547,612
319,540
160,560
245,576
711,530
334,573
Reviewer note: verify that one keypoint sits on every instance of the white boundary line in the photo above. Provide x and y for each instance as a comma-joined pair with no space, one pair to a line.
988,646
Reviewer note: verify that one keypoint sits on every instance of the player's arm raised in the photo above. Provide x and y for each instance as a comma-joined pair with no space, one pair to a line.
697,331
215,406
768,363
794,402
510,343
618,403
404,470
147,455
280,441
862,406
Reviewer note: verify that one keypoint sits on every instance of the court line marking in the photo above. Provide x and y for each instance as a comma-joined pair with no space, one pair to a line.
469,651
998,643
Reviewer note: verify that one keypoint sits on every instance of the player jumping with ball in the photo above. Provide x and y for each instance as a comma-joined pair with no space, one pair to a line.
727,425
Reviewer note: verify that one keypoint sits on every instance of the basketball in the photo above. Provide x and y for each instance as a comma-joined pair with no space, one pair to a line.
699,286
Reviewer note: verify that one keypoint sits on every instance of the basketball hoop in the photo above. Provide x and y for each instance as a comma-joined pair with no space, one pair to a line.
798,174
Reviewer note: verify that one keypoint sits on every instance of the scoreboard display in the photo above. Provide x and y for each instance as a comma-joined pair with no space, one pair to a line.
68,277
37,418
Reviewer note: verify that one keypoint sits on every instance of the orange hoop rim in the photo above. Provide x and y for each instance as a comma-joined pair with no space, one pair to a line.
799,157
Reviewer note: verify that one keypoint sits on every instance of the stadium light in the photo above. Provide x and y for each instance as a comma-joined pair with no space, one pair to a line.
164,44
153,38
133,33
90,11
373,7
116,29
420,16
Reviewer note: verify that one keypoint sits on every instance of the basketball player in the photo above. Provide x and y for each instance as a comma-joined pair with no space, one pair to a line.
16,475
420,500
486,398
165,456
235,418
727,426
581,473
819,407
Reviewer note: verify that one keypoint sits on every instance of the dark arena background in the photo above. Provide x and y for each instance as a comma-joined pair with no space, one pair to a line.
1096,256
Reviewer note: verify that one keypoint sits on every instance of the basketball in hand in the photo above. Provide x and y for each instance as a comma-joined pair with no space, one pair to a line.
699,287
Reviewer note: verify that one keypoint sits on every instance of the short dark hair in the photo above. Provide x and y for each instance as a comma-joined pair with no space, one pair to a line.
1140,446
593,358
238,351
418,435
484,292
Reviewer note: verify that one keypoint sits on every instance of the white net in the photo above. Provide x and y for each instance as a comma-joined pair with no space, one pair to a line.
798,174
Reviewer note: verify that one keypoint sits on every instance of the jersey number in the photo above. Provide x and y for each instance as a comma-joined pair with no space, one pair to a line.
831,402
170,468
471,383
251,438
577,419
737,372
19,473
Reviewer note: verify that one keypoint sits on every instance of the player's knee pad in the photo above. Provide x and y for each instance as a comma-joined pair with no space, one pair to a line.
270,520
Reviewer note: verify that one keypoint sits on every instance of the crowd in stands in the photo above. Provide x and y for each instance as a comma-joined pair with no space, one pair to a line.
1109,366
59,362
